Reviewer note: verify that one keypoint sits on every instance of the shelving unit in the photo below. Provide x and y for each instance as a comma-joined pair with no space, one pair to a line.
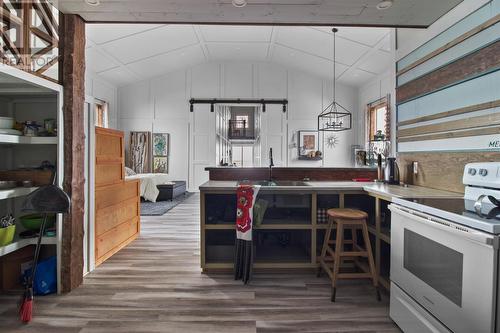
16,192
381,233
18,244
28,140
34,99
309,228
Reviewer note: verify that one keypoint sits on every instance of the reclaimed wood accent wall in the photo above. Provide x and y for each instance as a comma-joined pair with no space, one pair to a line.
438,170
313,174
73,78
448,101
117,202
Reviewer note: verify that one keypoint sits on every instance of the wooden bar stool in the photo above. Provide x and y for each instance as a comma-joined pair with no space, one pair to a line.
347,219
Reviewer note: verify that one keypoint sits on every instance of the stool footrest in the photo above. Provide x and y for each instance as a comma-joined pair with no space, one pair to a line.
354,276
354,254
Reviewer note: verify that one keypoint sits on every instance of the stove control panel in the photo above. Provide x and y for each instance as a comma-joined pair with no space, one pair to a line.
485,174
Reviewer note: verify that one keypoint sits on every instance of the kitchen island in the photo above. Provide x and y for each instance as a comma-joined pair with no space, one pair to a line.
291,233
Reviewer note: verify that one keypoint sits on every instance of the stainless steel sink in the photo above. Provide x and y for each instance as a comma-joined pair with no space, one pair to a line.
267,183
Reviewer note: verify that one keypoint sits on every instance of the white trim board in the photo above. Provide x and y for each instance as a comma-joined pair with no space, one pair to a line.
456,144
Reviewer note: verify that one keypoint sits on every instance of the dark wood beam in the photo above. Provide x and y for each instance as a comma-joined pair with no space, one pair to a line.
73,78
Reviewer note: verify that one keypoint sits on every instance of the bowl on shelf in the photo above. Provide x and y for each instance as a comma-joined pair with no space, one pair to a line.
6,122
7,184
34,221
7,235
10,131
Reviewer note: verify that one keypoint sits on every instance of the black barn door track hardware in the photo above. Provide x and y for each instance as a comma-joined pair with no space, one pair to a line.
214,101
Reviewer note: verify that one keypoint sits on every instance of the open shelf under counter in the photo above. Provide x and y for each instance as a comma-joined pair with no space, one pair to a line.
28,140
265,226
16,192
18,244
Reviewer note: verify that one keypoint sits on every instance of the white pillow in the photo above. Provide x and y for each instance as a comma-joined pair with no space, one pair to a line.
129,172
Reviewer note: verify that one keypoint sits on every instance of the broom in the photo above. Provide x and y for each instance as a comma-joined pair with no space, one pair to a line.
48,199
26,308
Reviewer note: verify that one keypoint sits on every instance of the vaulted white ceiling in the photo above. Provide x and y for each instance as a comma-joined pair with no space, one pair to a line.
124,53
306,12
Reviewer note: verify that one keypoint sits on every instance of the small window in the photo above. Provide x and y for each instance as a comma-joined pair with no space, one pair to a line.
241,121
101,114
379,121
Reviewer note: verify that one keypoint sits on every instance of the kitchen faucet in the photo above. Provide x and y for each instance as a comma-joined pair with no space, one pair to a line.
271,164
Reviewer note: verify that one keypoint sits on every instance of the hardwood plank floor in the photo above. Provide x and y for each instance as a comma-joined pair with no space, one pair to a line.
155,285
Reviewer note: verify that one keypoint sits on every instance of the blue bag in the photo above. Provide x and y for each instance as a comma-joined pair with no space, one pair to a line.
45,277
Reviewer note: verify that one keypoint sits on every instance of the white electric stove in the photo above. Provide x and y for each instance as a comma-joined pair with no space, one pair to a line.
444,258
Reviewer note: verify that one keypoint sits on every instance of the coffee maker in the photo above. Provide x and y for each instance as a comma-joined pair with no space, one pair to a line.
391,171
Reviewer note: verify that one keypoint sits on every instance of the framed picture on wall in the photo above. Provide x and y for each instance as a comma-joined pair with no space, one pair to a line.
308,142
160,164
161,152
140,152
160,144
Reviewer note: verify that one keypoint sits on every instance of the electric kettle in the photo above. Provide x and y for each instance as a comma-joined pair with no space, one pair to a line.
391,171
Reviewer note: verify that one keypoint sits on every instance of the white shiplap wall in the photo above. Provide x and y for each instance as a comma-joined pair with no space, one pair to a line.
161,105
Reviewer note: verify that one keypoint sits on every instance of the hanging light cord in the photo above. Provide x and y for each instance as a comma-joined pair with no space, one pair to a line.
334,30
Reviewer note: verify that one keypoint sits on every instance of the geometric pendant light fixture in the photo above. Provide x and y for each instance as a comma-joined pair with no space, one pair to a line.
334,118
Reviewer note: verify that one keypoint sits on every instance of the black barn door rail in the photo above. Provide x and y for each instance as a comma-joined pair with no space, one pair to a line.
214,101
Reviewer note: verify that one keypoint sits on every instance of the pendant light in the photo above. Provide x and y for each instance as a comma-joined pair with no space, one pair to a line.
334,118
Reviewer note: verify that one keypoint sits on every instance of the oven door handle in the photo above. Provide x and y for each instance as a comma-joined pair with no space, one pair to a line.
456,229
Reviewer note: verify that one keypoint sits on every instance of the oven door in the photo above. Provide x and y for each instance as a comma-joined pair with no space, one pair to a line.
450,270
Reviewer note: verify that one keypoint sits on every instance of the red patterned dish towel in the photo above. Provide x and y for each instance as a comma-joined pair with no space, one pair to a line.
243,259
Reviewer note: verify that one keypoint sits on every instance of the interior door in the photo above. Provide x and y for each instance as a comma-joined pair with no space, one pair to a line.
202,152
273,135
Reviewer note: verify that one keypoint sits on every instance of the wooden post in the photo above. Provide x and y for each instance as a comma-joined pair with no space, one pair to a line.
73,79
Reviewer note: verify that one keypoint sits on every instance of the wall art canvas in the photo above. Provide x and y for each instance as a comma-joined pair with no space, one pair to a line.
161,151
160,144
160,164
308,142
140,152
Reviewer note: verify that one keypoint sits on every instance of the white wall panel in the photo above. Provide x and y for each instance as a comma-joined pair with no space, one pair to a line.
206,81
238,80
135,101
169,96
305,94
271,81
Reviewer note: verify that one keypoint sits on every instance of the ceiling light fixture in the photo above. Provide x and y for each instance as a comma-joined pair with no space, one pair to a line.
385,4
334,118
93,2
239,3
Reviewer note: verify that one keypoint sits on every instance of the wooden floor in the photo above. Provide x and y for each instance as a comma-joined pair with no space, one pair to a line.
155,285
